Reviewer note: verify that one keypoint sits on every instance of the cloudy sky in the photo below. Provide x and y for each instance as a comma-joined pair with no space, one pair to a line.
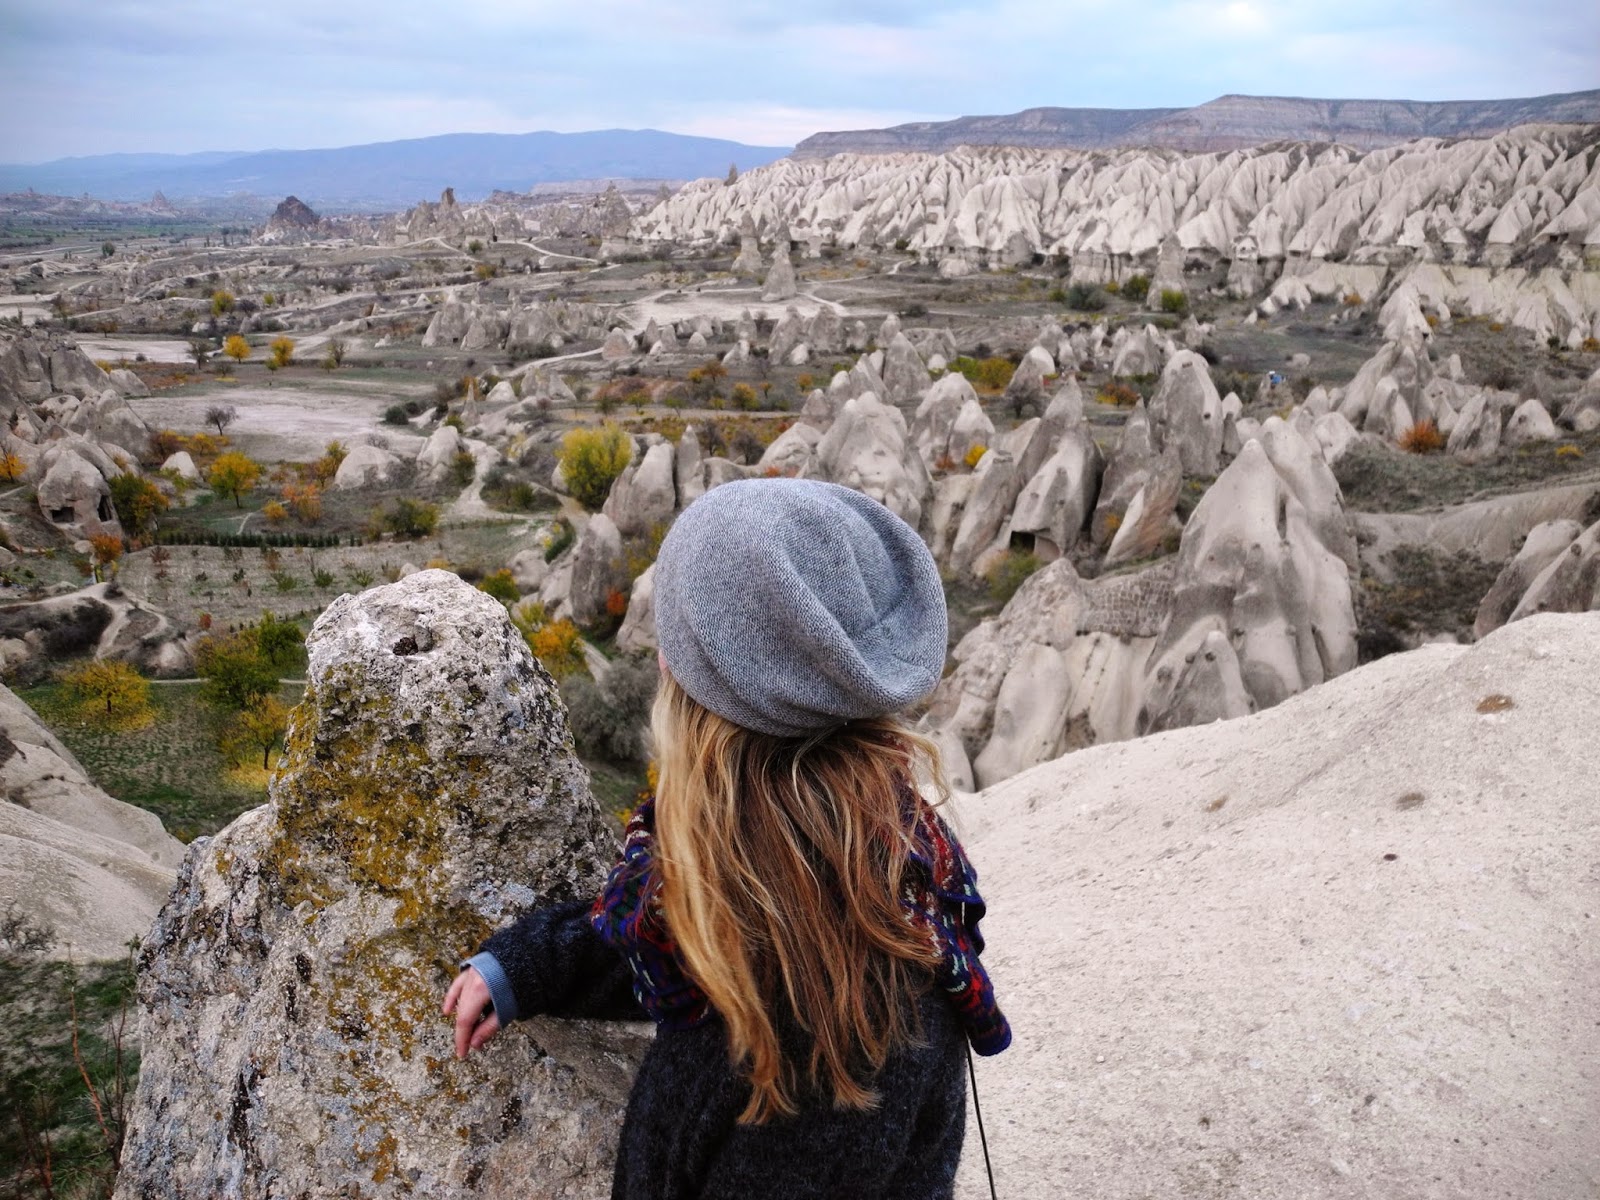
101,76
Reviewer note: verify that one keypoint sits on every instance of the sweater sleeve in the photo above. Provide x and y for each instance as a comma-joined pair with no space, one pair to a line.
552,962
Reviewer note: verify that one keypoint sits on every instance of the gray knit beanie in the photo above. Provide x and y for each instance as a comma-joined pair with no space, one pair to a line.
790,606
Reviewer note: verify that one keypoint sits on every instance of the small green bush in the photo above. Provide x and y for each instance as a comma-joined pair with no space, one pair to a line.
1174,301
1136,288
591,460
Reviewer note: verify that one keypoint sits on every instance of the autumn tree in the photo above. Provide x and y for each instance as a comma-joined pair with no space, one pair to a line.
222,301
221,415
236,348
259,727
280,352
110,691
105,549
233,474
138,503
235,671
591,460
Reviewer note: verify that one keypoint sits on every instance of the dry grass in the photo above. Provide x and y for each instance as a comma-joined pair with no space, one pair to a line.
1422,438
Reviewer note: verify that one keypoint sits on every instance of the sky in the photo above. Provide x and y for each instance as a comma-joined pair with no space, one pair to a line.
81,77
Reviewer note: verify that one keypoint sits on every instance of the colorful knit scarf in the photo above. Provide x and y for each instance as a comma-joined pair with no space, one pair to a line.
940,898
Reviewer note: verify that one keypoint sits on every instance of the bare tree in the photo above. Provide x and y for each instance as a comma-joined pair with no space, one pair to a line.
221,415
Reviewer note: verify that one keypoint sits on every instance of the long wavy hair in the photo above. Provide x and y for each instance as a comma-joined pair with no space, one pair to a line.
781,865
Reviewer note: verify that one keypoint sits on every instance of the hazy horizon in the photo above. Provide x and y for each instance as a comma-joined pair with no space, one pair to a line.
175,78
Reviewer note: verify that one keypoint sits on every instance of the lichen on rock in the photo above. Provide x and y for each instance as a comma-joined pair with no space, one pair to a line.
291,985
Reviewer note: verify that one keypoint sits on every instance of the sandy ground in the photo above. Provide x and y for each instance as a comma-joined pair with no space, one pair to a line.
726,304
32,308
277,423
161,350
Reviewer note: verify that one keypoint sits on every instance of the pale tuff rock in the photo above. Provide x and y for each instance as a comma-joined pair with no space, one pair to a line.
1125,473
438,453
1544,544
1186,414
617,345
1026,387
644,496
1168,275
950,421
1262,561
867,448
91,869
1582,414
528,570
1570,583
1139,352
780,284
102,621
292,1039
34,366
182,465
905,378
688,473
1476,435
1093,637
1151,516
792,451
1256,905
638,632
368,466
598,569
1057,502
748,262
127,383
1387,395
1530,422
74,496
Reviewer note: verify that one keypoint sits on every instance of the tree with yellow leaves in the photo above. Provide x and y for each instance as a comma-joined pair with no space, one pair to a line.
236,348
110,692
234,473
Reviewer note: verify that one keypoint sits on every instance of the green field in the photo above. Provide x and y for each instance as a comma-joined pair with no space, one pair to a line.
173,768
51,1142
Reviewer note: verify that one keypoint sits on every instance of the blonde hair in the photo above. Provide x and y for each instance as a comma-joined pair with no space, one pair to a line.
781,865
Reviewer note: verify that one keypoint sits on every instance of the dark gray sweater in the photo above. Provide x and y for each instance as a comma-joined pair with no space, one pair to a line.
682,1140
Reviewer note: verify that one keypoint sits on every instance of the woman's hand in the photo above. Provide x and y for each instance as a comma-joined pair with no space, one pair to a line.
476,1021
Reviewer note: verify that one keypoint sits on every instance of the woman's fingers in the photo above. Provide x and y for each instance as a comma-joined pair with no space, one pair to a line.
475,1020
486,1029
455,991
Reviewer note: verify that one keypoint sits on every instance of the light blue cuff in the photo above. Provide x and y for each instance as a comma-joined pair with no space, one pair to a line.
500,993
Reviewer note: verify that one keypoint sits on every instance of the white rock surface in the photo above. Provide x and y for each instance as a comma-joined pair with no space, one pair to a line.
1341,948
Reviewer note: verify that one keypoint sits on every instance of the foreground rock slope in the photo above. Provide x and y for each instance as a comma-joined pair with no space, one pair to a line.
89,869
1345,947
291,985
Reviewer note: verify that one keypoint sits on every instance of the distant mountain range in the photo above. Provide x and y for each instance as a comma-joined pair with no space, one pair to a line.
1226,123
390,175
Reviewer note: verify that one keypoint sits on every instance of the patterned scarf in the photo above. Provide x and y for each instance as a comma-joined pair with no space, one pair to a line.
940,898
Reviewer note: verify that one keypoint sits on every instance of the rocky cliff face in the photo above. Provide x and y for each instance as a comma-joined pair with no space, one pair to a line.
1226,123
291,985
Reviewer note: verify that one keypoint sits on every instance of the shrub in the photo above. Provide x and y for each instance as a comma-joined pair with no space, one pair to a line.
501,586
1081,297
1354,300
591,460
411,518
1174,301
462,468
304,500
1569,451
274,512
1136,288
1011,573
556,644
1591,345
561,536
608,721
1122,395
975,455
395,414
221,302
138,503
744,397
985,374
280,352
1422,438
